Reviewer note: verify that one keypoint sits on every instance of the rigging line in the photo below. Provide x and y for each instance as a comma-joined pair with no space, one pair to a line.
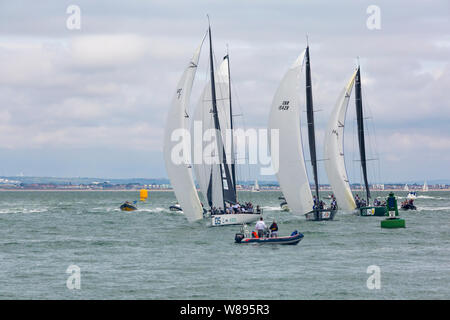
218,99
376,147
371,133
318,110
370,159
354,176
242,114
188,107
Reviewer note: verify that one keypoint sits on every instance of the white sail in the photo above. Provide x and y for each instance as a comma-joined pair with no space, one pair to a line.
206,151
180,174
406,187
334,151
425,186
255,187
285,117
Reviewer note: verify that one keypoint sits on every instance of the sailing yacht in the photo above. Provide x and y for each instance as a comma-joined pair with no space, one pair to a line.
285,117
255,187
411,194
283,204
334,151
217,178
425,186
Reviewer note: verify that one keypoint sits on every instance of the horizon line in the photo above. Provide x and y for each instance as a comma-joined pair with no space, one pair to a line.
432,181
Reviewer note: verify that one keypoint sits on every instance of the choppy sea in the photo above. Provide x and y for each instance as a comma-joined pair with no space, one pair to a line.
153,253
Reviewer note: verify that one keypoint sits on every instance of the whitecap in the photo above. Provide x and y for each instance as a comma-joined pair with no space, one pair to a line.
433,208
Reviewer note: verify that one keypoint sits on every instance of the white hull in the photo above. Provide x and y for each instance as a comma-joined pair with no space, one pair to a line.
230,219
411,196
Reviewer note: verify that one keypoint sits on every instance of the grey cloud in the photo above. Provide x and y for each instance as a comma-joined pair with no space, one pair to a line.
62,88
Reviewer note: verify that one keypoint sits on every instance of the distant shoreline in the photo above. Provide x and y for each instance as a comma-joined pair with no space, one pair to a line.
85,190
171,190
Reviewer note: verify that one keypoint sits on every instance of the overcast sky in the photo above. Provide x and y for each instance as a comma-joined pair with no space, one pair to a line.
93,102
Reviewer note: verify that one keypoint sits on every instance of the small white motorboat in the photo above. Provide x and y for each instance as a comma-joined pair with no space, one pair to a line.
411,195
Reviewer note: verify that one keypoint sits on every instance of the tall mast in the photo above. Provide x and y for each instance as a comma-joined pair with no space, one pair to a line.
310,119
360,121
233,168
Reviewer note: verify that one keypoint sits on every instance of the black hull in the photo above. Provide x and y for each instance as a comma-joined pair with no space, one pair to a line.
127,207
372,211
321,215
409,207
284,203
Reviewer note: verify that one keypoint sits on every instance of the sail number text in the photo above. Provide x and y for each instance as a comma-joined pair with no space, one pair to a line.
284,106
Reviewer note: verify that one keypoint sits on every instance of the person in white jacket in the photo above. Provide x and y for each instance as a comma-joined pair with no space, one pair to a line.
260,227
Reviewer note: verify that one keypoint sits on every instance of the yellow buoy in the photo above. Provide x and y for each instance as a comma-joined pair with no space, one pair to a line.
143,194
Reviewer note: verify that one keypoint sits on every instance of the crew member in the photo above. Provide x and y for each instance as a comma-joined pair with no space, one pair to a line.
274,229
260,227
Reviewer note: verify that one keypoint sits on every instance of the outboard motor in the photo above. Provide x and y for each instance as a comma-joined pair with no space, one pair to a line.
238,237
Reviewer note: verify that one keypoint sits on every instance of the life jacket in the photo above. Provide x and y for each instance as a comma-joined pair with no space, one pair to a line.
254,234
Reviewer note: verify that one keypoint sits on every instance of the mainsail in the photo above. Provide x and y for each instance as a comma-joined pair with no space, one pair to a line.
285,117
180,174
334,150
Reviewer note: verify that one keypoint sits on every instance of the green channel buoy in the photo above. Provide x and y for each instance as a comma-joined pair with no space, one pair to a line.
392,221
